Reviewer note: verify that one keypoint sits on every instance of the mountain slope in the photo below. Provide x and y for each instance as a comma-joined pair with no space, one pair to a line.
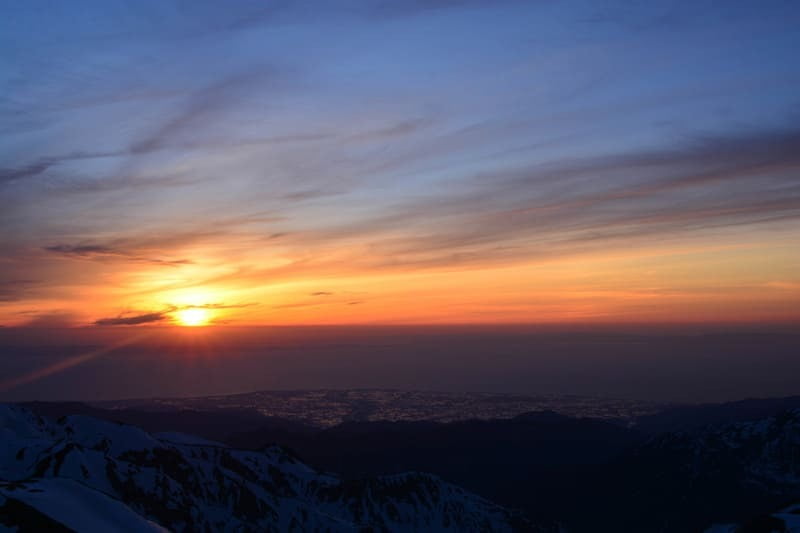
687,481
63,504
693,417
188,484
785,520
536,461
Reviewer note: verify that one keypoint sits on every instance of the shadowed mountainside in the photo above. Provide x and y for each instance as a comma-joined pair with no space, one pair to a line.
81,473
549,465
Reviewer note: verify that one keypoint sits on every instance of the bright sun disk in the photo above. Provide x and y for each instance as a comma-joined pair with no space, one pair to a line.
193,317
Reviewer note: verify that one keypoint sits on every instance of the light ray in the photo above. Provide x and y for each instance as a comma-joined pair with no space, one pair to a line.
60,366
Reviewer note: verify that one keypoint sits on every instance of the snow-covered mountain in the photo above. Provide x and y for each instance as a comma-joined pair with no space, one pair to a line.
764,453
85,474
722,474
785,520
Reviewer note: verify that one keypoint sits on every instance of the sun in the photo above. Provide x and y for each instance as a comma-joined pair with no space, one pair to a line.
193,317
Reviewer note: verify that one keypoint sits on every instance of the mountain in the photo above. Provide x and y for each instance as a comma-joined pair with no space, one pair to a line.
688,481
784,520
81,473
537,462
63,505
690,417
585,474
212,423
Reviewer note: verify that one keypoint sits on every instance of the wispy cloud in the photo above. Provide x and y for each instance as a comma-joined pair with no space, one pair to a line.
133,320
712,183
52,319
212,306
200,107
101,252
16,289
137,318
540,212
38,167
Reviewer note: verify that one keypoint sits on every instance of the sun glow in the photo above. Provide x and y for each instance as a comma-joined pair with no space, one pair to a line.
193,317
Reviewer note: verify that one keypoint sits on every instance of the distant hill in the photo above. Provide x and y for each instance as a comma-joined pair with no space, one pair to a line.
213,424
690,417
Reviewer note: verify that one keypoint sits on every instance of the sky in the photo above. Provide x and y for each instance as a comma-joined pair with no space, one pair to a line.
415,162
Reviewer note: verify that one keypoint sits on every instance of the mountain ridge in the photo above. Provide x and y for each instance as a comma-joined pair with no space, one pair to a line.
194,485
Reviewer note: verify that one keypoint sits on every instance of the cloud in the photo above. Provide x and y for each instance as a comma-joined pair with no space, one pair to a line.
160,316
200,107
399,129
15,289
134,320
98,251
52,319
213,306
86,250
321,293
158,141
296,305
537,212
42,165
564,207
32,169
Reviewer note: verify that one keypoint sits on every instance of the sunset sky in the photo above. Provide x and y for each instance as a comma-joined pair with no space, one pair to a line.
419,162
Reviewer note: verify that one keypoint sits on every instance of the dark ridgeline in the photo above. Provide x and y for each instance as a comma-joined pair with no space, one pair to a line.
532,461
692,417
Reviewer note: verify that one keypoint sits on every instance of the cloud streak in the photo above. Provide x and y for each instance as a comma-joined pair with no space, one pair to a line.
135,320
722,182
162,316
15,289
101,252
